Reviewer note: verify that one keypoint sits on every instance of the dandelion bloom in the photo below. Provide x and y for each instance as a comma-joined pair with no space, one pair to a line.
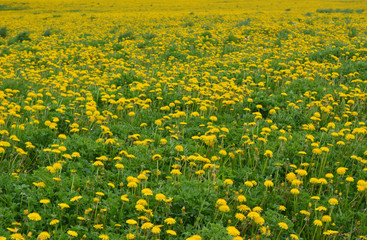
43,236
329,175
130,236
195,237
349,179
100,194
131,222
170,221
232,231
341,170
104,237
34,216
156,229
249,184
176,172
321,208
317,223
240,217
241,198
295,191
132,185
260,221
291,176
301,172
98,163
171,232
147,225
160,197
119,166
304,212
98,226
253,215
75,154
283,225
54,221
221,201
257,209
63,205
57,166
282,208
124,198
332,232
314,180
44,201
228,182
40,184
179,148
294,236
317,151
72,233
268,183
76,198
157,157
326,218
361,185
243,208
224,208
322,181
333,201
296,182
268,154
17,236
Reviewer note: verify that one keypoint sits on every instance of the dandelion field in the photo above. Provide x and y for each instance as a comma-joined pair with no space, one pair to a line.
189,120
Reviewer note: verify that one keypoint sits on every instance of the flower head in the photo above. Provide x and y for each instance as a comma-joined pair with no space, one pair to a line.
72,233
170,221
34,216
268,183
63,205
283,225
233,231
43,236
104,237
333,201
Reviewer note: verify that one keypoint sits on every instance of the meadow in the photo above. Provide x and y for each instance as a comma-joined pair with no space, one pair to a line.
183,120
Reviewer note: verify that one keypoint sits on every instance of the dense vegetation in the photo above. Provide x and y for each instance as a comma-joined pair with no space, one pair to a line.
164,121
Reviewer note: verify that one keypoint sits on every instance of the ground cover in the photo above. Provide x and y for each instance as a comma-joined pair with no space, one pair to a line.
207,120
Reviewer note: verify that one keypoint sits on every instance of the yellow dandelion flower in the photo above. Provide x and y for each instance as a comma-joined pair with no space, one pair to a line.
44,201
171,232
283,225
34,216
43,236
54,221
17,236
130,236
160,197
317,223
72,233
63,205
131,222
268,184
232,231
224,208
333,201
104,237
170,221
